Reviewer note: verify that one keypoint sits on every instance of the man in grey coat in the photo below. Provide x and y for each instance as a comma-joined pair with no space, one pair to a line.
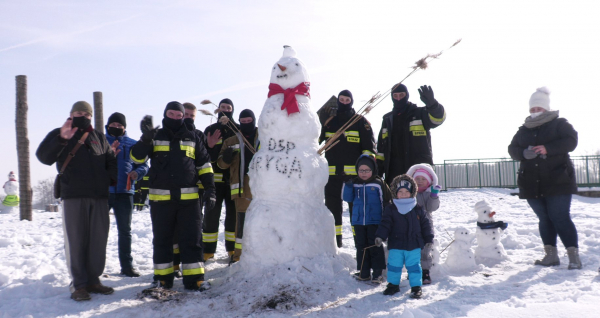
84,190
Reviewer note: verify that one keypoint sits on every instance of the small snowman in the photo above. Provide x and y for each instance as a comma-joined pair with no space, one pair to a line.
11,188
490,250
460,253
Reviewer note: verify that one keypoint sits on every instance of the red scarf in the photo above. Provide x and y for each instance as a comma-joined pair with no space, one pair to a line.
289,95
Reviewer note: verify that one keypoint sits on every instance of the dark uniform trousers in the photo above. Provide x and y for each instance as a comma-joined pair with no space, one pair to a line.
333,201
212,218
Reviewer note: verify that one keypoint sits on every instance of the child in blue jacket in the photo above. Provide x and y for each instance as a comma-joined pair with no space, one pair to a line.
407,228
368,195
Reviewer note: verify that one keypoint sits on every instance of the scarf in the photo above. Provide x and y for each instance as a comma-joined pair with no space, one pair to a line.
405,205
289,95
493,225
545,117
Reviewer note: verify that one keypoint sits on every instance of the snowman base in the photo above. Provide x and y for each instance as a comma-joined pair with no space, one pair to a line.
8,209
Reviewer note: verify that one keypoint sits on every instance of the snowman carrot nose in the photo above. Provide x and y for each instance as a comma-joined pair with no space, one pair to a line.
492,214
281,67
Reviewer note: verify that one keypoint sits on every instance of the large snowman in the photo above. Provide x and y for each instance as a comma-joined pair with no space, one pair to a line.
287,218
11,188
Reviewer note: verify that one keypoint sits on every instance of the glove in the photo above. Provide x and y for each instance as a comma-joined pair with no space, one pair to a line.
148,129
435,190
333,111
209,198
529,154
228,155
426,94
378,241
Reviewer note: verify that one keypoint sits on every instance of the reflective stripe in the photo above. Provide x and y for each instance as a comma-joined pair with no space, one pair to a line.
159,195
338,230
189,147
163,269
353,133
417,128
220,142
437,121
416,122
136,160
331,170
329,134
384,133
230,236
235,189
350,170
11,200
161,145
367,152
238,243
193,269
218,177
188,143
238,246
353,233
380,156
205,168
189,193
146,178
200,186
210,237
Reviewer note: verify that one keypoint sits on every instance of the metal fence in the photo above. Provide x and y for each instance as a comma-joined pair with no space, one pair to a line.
502,172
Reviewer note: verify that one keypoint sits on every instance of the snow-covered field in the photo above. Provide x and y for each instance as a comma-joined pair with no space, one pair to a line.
34,279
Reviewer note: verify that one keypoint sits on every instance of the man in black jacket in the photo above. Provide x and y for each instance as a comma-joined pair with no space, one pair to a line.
405,139
179,160
84,190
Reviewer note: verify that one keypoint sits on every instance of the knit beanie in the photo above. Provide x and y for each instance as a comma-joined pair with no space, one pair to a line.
404,182
82,106
117,118
541,98
368,161
174,106
423,173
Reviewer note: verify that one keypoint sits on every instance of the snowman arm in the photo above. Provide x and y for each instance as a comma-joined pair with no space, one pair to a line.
51,148
426,231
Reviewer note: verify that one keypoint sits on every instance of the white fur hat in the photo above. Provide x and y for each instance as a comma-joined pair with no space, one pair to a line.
541,98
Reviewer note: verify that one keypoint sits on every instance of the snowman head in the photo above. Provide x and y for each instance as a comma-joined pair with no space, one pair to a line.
463,235
12,176
484,212
289,71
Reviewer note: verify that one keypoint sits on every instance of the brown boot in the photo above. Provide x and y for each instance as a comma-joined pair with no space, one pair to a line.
99,289
80,294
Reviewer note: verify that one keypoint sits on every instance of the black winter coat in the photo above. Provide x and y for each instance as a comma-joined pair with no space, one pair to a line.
554,175
405,232
91,171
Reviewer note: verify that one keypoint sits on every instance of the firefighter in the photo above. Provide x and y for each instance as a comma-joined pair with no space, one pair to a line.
215,134
236,157
178,159
356,140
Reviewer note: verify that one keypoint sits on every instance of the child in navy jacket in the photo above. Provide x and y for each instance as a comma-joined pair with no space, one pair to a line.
368,195
407,228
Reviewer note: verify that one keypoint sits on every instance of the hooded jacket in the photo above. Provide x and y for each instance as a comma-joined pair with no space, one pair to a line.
125,165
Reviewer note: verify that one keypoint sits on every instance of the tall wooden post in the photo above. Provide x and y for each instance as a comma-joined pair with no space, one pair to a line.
98,114
25,192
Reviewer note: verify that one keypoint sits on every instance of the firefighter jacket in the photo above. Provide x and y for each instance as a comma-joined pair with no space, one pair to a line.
178,160
221,175
144,184
236,167
415,140
356,140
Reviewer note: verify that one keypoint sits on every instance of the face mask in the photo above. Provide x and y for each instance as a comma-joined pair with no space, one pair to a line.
247,129
117,132
81,122
189,123
534,115
172,124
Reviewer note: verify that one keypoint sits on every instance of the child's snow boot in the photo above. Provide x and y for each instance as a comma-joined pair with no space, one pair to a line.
574,261
391,289
426,277
415,292
551,257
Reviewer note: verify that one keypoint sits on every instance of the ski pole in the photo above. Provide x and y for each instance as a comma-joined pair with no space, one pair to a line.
363,258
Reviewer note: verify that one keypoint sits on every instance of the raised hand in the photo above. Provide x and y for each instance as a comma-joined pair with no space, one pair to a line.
115,147
148,129
213,138
67,131
426,94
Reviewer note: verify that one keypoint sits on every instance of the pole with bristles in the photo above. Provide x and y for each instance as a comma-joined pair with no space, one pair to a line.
421,64
226,122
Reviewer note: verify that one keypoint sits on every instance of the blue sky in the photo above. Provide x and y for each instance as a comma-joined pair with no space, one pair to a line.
143,54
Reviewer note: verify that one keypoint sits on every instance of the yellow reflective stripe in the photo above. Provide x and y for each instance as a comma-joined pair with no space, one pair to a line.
193,269
200,186
417,128
146,178
159,195
144,188
205,168
331,170
230,236
176,251
136,160
189,151
384,133
366,152
161,148
220,142
210,237
238,246
437,121
161,145
353,233
189,193
338,230
350,170
163,269
380,156
383,136
218,177
329,134
235,189
353,133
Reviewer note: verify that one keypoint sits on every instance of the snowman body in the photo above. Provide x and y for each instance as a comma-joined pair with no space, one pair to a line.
489,250
461,257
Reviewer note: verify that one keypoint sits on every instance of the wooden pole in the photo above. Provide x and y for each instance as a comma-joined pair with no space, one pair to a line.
98,115
25,192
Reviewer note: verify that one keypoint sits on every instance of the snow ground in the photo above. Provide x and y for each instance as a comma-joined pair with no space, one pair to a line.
34,279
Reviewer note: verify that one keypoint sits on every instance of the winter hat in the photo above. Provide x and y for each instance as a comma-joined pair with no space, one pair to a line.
174,106
541,98
404,182
117,118
345,107
82,106
423,173
367,160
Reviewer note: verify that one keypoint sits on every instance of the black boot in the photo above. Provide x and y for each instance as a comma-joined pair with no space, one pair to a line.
391,289
426,277
415,292
130,272
338,238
